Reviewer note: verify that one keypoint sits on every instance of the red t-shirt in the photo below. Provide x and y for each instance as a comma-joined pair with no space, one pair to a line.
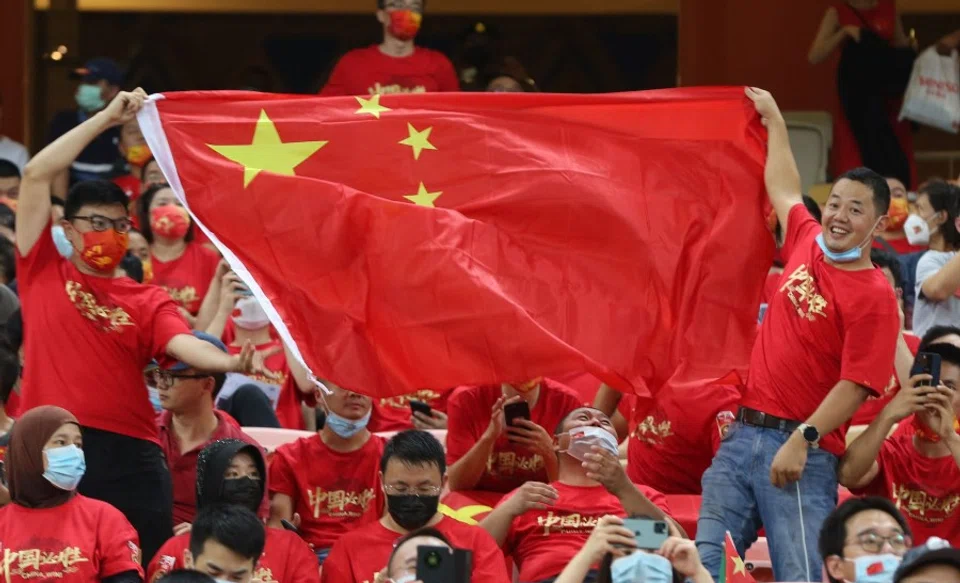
88,340
823,325
330,503
542,542
188,277
289,413
130,186
926,490
901,246
394,413
360,554
368,71
285,559
183,467
79,541
681,425
509,465
873,405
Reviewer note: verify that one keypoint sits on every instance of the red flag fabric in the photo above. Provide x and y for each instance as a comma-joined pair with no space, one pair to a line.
734,569
433,240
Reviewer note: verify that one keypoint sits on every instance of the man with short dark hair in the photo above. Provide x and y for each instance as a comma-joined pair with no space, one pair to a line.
226,542
396,65
863,536
413,473
827,342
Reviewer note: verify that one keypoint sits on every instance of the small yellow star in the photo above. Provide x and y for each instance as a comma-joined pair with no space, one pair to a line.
267,152
738,566
423,198
419,141
371,106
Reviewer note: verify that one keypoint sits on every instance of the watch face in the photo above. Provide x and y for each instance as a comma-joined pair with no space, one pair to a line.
811,434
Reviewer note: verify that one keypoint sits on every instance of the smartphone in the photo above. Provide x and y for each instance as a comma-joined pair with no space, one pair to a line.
444,565
287,525
514,411
927,363
648,533
421,407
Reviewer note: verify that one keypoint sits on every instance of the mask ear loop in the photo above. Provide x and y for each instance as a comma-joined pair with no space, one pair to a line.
803,535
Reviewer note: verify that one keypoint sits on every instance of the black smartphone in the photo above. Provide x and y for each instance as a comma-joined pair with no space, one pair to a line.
648,533
444,565
421,407
514,411
927,363
287,525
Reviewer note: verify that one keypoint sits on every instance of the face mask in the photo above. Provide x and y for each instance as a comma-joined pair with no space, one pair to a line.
412,512
60,241
89,98
243,491
874,568
170,221
103,250
641,567
917,230
344,427
848,256
147,271
583,438
899,209
405,579
252,316
65,466
404,24
154,395
138,155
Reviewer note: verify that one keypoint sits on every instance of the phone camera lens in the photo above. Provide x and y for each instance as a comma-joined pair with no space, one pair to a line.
660,528
433,559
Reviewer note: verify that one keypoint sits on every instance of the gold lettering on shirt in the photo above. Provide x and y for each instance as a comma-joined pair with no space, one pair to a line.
264,575
567,524
395,88
652,432
403,401
802,291
37,564
923,507
184,295
337,502
111,320
506,463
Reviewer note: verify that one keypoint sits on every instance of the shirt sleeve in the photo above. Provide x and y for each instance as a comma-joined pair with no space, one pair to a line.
336,569
41,255
301,564
281,476
167,323
655,496
871,326
880,485
446,75
118,544
460,425
802,229
927,267
338,81
488,561
165,561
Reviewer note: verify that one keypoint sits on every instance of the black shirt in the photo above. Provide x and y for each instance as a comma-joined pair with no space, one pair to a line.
99,159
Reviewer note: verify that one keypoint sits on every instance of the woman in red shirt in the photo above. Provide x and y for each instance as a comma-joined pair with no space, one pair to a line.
49,531
180,265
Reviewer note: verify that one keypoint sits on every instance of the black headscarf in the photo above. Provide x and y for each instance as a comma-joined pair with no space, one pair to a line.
212,464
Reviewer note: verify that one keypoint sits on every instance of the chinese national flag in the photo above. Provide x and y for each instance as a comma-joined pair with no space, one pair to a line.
434,240
734,570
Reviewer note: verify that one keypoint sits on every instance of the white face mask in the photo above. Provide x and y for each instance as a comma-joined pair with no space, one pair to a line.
917,230
252,316
582,439
405,579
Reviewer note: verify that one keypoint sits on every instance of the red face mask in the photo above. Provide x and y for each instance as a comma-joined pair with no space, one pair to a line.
170,221
404,24
103,250
922,431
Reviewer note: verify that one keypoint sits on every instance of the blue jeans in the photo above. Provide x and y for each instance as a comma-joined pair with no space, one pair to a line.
738,497
322,555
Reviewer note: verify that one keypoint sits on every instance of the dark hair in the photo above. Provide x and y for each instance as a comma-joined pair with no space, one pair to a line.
219,378
93,192
186,576
14,330
233,526
132,266
8,259
876,183
415,448
143,169
8,169
885,260
9,369
420,532
833,533
944,196
143,212
935,333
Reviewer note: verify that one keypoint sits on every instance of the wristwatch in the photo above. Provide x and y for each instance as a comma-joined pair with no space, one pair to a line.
810,434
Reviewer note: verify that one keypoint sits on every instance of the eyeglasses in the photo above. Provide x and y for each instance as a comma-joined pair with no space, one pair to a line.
872,542
404,490
101,223
166,379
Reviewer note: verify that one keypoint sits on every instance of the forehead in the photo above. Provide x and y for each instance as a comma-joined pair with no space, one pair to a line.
948,339
164,195
408,550
400,471
242,459
846,190
9,180
222,557
871,520
895,184
67,430
588,411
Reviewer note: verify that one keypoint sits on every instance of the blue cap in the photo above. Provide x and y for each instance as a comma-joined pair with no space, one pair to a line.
178,366
100,68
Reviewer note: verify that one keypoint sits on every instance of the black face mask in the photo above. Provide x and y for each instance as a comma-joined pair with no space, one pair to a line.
412,512
243,491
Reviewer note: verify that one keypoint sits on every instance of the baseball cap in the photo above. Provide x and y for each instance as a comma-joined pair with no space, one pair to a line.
99,68
178,366
935,551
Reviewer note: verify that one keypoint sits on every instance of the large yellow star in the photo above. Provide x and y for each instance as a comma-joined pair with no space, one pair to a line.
419,141
738,566
371,106
423,198
267,152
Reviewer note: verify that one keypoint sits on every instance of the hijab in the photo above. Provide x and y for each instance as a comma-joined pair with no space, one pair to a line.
212,464
24,465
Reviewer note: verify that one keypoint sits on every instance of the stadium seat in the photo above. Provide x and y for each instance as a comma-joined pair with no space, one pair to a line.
810,149
271,438
757,560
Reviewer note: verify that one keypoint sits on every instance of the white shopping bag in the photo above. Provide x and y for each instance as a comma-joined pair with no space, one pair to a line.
933,95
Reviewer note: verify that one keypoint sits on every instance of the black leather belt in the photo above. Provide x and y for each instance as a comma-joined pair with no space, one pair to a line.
749,416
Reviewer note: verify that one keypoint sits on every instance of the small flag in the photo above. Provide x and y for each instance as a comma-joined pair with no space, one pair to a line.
734,569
